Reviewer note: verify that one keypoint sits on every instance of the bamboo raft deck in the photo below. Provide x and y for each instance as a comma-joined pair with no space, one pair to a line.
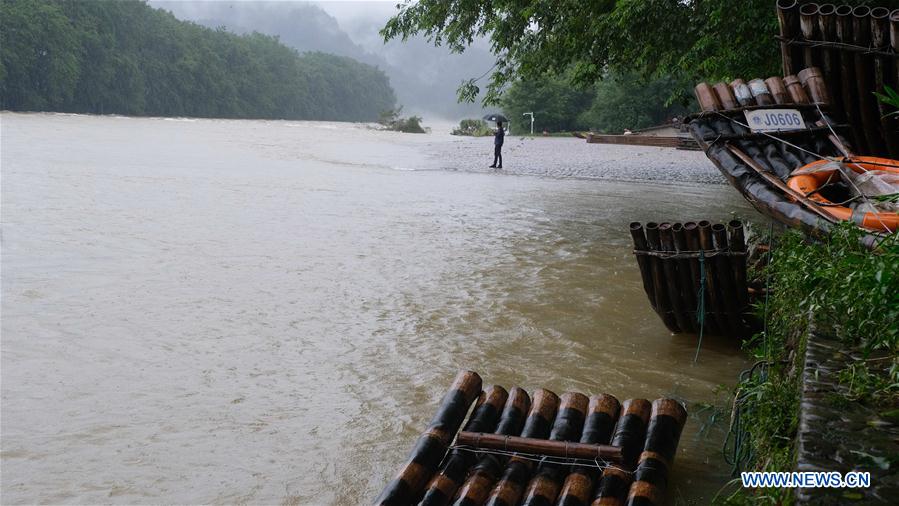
517,448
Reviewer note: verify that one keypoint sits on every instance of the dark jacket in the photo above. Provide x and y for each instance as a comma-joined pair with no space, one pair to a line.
498,137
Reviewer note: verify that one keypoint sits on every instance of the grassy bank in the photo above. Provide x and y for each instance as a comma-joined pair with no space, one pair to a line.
853,294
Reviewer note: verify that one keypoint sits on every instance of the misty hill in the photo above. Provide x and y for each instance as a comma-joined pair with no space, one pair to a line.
425,77
94,56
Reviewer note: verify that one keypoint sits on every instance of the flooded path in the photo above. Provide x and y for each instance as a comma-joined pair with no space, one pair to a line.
204,311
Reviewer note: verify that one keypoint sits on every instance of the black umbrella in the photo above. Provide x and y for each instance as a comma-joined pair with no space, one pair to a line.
495,118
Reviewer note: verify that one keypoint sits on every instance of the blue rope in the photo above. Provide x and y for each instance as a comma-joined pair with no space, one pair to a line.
700,308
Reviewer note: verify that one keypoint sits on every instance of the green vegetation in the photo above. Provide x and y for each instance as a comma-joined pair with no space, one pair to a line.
556,104
613,104
889,97
392,120
713,39
473,127
853,294
125,57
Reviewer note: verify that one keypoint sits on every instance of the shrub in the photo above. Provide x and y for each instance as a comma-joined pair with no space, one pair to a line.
391,120
473,127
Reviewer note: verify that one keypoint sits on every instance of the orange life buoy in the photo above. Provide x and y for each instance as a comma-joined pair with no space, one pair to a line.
809,184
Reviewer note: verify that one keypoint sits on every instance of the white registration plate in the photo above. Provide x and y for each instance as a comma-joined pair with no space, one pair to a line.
774,120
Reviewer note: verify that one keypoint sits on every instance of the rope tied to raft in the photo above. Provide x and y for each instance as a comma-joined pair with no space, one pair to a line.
597,462
690,254
700,307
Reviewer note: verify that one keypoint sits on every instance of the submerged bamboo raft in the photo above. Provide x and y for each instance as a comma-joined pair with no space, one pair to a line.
515,449
694,275
857,49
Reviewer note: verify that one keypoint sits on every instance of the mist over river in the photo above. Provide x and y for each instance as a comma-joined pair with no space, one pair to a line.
268,312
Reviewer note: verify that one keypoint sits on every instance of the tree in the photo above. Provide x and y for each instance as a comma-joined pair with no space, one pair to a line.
39,54
709,39
125,57
556,104
629,101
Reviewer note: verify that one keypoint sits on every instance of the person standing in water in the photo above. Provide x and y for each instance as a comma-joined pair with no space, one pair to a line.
498,138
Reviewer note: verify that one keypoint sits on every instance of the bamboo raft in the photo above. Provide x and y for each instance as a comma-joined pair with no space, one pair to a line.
694,275
539,449
679,142
857,50
758,163
845,53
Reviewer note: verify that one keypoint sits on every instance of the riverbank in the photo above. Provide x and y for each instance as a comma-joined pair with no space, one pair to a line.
824,392
570,157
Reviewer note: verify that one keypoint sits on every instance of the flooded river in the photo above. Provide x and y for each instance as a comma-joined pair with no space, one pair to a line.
205,311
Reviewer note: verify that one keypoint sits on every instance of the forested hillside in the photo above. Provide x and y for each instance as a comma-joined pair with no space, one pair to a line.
92,56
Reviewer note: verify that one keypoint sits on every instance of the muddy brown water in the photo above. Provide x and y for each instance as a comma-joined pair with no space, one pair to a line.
205,311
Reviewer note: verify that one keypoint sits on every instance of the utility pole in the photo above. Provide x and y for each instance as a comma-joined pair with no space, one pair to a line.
532,120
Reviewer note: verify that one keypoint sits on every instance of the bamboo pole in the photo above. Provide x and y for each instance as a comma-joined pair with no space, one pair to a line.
407,487
630,433
796,91
778,90
454,469
724,270
760,92
662,437
827,30
485,473
545,485
894,44
539,447
861,33
738,245
712,290
880,39
509,488
725,96
743,93
672,283
663,305
685,276
848,85
639,238
808,26
691,231
814,84
581,482
706,97
893,120
788,19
